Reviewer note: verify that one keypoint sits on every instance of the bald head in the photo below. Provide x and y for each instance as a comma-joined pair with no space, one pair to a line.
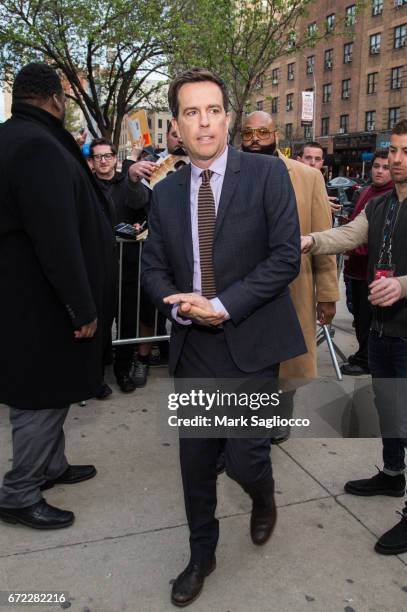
258,133
259,118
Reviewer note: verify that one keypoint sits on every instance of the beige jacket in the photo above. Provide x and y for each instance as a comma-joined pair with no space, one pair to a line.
317,280
346,238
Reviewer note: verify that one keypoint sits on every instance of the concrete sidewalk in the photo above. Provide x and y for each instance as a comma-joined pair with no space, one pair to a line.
130,537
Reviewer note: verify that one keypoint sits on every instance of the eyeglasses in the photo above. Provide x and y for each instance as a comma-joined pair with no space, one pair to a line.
262,133
106,156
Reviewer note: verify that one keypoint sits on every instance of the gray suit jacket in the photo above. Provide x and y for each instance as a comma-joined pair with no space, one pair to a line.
256,256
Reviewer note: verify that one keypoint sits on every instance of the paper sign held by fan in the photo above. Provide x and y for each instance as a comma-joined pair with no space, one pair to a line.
138,128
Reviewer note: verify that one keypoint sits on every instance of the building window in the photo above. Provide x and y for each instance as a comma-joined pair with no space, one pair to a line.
289,102
394,117
326,93
310,64
344,124
312,28
325,126
288,131
399,3
377,7
345,94
370,121
374,43
274,105
328,59
160,124
308,132
347,53
168,124
274,76
330,22
290,72
350,19
396,77
160,138
259,105
400,36
372,82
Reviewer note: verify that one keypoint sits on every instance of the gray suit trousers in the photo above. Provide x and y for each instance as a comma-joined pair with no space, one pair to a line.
38,455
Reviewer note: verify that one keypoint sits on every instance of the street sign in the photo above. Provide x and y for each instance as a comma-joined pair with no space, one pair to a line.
307,113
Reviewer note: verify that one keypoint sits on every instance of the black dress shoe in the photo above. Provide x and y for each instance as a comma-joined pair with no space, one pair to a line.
72,475
39,516
189,583
104,392
354,369
262,521
126,383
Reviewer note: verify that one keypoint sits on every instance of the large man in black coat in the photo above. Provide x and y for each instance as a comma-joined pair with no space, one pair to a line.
56,265
223,247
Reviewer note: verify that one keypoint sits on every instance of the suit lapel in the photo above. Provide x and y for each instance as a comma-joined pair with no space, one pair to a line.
184,205
230,182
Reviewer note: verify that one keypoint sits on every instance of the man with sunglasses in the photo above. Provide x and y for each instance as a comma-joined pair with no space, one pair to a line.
315,290
127,198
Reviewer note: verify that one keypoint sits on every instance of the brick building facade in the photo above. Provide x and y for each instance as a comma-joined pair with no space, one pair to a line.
359,79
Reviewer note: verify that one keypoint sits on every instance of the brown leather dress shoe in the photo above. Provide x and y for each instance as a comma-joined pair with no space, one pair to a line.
262,521
188,586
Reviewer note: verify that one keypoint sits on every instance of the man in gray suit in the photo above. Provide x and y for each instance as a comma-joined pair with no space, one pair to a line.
223,247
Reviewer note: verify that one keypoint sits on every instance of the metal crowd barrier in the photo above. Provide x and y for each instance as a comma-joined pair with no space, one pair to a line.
138,339
324,333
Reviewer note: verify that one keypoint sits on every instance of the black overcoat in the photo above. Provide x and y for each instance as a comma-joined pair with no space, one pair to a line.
56,264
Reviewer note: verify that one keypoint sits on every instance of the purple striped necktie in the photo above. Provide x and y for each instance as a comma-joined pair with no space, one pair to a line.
206,233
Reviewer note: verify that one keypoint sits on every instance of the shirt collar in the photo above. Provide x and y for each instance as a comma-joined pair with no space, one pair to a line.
218,166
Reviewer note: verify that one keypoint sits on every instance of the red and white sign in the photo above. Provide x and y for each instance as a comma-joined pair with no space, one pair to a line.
307,113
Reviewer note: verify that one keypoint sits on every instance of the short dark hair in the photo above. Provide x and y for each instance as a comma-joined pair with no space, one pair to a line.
311,143
400,127
194,75
101,141
36,81
381,154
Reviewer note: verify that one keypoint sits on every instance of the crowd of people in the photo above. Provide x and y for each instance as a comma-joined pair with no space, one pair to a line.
240,259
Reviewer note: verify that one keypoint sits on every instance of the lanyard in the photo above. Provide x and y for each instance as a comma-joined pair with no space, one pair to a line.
385,256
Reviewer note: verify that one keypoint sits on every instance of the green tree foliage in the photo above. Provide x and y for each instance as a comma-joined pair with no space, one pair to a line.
239,39
107,50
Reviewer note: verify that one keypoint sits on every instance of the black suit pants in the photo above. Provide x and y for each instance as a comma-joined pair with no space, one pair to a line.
205,355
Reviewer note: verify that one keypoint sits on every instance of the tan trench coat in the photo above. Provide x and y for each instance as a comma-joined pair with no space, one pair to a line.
317,280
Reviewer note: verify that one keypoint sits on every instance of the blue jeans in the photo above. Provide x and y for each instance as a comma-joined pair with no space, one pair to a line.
388,359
